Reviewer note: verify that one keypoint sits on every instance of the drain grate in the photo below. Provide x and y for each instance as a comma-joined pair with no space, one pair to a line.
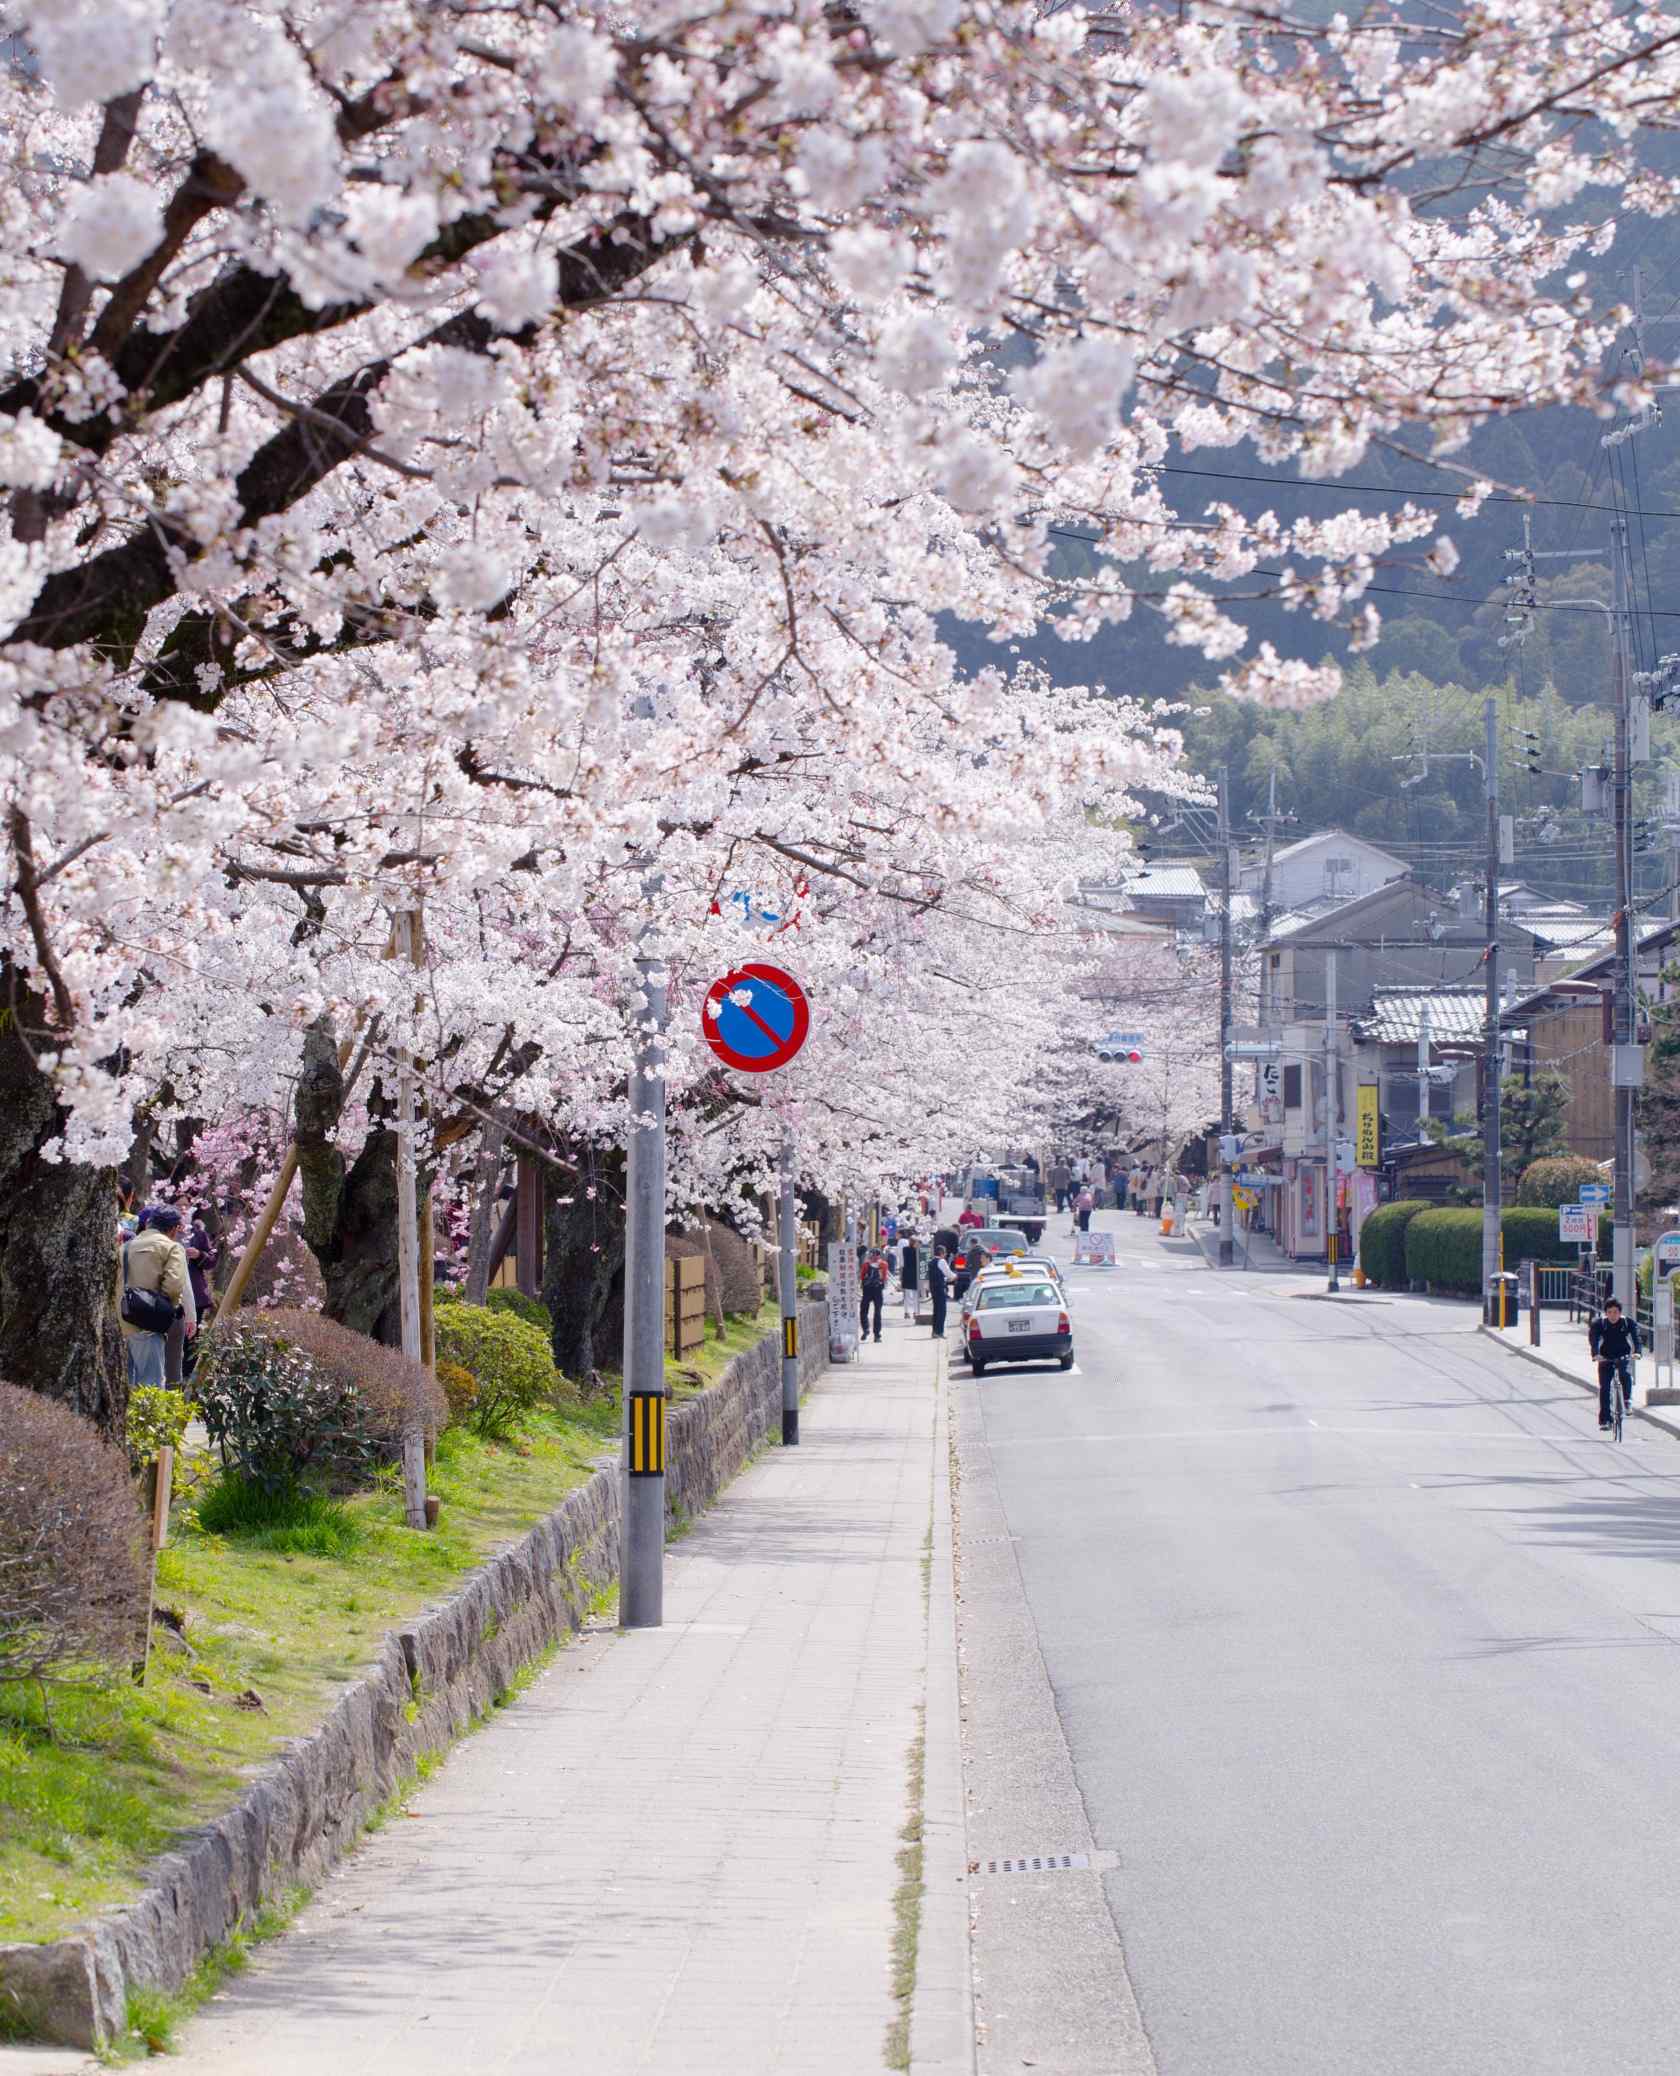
1038,1863
973,1542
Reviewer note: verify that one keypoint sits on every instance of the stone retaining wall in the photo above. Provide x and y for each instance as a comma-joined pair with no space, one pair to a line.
430,1682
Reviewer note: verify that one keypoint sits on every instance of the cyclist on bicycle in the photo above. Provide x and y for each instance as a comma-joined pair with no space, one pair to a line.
1614,1341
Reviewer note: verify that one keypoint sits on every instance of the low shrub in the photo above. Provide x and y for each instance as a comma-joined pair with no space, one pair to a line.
741,1286
73,1572
532,1310
459,1387
291,1395
1382,1242
509,1361
157,1418
1556,1180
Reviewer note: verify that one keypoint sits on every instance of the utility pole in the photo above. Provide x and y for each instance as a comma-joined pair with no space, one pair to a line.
787,1284
641,1588
1626,1059
1491,1177
1332,1114
1227,1248
407,945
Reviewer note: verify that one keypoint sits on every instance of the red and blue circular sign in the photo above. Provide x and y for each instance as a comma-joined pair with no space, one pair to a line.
764,1027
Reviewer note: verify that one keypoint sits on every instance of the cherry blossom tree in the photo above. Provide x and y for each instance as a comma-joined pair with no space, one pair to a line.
525,461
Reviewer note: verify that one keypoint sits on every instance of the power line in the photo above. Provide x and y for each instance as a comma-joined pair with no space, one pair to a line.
1092,540
1497,497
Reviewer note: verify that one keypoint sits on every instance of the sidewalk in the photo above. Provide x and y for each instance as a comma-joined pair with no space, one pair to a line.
1563,1351
678,1851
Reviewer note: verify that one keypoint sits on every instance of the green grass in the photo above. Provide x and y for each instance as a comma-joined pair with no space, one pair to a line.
702,1367
281,1612
907,1905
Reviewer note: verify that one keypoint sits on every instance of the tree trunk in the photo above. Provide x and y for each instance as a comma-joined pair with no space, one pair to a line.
58,1243
487,1174
349,1212
583,1286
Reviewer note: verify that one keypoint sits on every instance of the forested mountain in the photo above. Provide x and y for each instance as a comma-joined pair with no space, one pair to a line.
1358,762
1445,640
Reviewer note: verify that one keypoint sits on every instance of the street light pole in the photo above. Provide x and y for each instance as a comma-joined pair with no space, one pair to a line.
1227,1246
1332,1114
788,1285
1492,1180
641,1589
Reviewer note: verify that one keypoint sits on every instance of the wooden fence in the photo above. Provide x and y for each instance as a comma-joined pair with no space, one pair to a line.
685,1303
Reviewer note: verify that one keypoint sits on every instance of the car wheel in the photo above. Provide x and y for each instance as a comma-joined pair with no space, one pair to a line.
1066,1361
978,1368
1035,1233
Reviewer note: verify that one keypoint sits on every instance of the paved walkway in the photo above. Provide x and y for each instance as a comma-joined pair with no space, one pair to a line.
678,1851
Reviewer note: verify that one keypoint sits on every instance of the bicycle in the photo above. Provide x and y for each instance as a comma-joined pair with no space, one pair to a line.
1618,1394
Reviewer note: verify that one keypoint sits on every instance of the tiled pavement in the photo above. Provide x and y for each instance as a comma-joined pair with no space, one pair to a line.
677,1851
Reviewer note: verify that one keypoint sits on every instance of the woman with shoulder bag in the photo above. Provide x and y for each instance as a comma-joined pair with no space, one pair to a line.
155,1287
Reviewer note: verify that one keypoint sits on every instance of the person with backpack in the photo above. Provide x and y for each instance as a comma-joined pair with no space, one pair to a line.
1083,1205
874,1281
156,1289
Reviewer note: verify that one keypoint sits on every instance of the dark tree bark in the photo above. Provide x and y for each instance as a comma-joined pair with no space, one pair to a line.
349,1209
486,1210
59,1333
583,1282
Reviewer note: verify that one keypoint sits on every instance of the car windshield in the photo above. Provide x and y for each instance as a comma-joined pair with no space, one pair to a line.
996,1240
998,1296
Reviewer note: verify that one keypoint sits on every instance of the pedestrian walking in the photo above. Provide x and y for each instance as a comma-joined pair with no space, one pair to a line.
1060,1176
939,1290
1083,1205
874,1283
156,1292
1157,1190
908,1270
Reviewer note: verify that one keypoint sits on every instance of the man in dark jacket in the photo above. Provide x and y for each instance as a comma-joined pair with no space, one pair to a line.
939,1290
874,1280
1614,1341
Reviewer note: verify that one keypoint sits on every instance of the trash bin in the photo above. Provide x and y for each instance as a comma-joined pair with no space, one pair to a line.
1502,1299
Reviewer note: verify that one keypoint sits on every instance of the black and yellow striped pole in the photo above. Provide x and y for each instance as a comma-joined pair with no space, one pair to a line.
641,1575
787,1283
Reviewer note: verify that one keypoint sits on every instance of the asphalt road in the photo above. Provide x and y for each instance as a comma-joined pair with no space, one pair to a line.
1364,1654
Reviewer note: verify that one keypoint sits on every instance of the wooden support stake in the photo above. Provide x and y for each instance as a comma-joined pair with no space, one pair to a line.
267,1218
160,1479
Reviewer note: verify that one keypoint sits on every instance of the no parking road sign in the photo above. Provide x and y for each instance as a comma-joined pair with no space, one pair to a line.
755,1018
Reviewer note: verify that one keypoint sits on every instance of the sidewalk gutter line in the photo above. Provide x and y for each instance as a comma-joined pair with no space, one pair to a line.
942,2039
1665,1417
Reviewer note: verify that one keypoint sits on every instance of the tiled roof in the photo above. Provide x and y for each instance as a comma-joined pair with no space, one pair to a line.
1167,883
1456,1015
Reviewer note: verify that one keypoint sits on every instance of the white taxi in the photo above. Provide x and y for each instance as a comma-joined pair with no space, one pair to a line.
1018,1318
1018,1265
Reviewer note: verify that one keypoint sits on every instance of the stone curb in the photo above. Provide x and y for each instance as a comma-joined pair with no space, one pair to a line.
1665,1417
942,2037
431,1680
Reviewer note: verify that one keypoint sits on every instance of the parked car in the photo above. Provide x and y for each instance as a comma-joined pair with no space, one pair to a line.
980,1245
1018,1319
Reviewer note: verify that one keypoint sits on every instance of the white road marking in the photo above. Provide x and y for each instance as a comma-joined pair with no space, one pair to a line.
1446,1437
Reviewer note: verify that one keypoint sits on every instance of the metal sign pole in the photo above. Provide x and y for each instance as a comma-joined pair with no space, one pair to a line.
641,1589
788,1284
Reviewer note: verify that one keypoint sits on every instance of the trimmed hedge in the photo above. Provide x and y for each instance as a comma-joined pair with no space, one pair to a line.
1382,1242
1444,1248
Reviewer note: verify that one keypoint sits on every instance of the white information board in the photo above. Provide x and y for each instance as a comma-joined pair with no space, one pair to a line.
845,1296
1094,1247
1578,1222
